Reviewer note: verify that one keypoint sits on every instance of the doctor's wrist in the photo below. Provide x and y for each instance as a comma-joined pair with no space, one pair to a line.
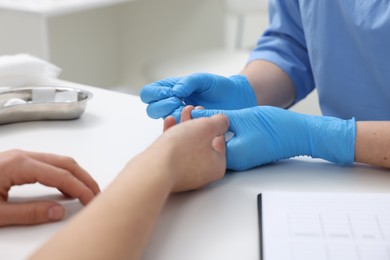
242,82
332,139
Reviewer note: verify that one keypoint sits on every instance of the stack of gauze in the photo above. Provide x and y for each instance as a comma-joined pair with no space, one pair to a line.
26,70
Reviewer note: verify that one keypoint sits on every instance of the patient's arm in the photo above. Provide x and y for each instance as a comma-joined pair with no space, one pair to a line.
118,223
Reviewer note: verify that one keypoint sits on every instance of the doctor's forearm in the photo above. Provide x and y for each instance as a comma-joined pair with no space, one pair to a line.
270,83
372,144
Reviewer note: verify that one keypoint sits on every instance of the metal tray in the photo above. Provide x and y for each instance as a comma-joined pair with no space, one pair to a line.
30,103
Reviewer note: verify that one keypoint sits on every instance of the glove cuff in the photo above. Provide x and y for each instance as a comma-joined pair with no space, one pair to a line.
250,96
333,139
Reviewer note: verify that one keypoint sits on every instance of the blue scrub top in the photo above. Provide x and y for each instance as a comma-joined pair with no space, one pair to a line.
340,47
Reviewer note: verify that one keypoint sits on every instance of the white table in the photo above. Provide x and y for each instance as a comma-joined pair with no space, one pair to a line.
217,222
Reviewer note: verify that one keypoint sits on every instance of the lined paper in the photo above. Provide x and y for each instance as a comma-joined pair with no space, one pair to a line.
325,226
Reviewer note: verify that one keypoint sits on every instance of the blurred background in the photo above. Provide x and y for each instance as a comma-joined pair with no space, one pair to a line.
125,44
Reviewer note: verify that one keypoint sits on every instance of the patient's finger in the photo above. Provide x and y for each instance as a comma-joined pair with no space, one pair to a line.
168,123
186,113
69,164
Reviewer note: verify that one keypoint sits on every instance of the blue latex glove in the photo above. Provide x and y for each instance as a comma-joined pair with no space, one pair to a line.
265,134
168,96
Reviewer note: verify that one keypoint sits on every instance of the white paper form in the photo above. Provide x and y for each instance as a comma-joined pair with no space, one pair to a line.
324,226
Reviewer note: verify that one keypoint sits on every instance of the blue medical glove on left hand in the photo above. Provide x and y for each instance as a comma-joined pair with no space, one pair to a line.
265,134
166,97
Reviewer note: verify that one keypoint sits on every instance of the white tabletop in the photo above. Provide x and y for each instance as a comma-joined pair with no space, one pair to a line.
216,222
56,7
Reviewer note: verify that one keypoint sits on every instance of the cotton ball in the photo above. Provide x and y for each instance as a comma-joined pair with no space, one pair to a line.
14,101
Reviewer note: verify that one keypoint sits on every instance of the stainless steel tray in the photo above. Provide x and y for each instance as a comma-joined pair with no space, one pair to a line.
30,103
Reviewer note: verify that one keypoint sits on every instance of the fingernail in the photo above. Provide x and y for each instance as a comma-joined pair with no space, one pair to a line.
56,212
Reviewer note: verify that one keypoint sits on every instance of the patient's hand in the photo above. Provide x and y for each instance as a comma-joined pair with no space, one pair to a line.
195,149
185,116
21,167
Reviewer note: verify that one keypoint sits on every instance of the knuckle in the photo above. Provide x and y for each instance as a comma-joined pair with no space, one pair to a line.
70,161
63,180
67,183
16,156
32,214
195,77
64,176
12,151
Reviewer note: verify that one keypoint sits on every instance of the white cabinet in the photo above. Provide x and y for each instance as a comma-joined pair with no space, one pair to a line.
108,43
80,36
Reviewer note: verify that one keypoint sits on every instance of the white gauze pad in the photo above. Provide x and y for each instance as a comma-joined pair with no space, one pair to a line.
43,95
66,96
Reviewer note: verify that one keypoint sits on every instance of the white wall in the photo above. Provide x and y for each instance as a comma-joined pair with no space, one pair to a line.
110,47
87,46
156,29
21,32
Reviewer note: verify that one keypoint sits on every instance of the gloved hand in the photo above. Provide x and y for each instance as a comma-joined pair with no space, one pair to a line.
168,96
265,134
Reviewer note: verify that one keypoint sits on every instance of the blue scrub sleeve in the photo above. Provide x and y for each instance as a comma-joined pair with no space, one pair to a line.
283,44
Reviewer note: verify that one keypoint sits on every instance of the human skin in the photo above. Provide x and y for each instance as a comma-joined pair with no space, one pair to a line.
118,223
273,87
20,167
